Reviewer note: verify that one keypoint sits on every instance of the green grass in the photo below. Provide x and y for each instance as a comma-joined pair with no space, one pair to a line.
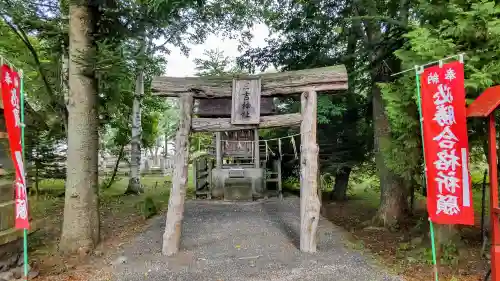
365,196
51,199
364,189
119,213
364,193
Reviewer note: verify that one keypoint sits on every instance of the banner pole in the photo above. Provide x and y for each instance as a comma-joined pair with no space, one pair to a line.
433,247
418,70
25,231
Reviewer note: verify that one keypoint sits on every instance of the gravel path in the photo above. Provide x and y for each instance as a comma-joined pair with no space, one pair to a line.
243,242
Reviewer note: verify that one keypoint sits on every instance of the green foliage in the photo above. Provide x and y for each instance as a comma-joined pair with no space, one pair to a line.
364,177
148,207
169,118
291,183
35,36
327,181
327,109
214,63
314,34
403,155
447,29
450,255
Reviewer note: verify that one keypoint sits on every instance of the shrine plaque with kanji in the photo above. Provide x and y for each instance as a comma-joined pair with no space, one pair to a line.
245,101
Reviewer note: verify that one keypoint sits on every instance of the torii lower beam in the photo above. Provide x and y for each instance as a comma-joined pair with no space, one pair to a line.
224,124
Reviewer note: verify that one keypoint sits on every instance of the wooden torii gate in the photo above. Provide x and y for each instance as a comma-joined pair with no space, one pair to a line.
305,82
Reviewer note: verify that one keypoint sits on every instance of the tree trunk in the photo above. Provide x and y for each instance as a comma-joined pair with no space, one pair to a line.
339,192
115,169
146,163
164,162
152,158
64,80
393,204
37,179
80,229
134,184
175,213
156,152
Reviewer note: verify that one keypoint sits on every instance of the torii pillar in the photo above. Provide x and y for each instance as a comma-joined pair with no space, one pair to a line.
485,106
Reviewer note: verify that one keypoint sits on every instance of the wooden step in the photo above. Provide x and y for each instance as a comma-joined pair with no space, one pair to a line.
229,166
204,192
200,174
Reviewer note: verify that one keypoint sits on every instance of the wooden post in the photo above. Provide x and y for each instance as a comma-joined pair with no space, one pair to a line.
195,174
256,148
494,225
280,180
172,235
309,201
218,150
210,167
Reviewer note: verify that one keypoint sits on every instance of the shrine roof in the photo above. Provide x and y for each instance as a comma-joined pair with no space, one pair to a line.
484,105
332,78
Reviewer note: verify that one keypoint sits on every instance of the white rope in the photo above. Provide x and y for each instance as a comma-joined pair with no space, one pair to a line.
266,140
267,154
460,56
270,150
294,148
9,63
279,149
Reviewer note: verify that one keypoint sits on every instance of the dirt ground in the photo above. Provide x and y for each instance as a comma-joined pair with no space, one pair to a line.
407,249
239,241
402,249
121,219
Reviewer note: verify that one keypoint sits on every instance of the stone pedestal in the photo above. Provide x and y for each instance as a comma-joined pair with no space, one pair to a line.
238,189
254,175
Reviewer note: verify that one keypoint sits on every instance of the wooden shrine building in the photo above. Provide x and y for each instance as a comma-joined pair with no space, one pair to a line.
242,169
235,108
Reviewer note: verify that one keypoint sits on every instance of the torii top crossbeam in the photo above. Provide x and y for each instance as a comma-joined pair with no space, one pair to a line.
282,83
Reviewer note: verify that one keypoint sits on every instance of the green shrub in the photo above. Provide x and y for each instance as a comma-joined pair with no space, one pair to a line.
148,207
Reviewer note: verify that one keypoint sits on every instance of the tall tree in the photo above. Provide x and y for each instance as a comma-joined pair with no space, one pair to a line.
320,33
383,23
134,184
444,29
80,231
214,62
316,34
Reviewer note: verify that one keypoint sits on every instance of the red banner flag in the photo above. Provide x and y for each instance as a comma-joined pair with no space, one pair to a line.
10,86
449,195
